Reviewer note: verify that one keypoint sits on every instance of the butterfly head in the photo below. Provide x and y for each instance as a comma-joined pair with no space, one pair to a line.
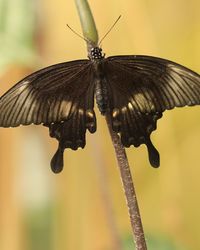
96,53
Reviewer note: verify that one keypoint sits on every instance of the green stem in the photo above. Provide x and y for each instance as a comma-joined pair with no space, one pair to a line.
87,23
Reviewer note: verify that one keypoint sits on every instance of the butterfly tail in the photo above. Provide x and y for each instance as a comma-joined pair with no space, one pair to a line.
154,157
57,161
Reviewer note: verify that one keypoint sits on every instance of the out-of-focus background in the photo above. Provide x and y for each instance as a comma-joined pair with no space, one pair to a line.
84,208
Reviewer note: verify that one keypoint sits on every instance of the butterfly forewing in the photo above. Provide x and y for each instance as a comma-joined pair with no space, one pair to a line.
166,83
49,95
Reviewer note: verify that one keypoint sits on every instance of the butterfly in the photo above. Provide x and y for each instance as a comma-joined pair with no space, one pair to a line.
133,91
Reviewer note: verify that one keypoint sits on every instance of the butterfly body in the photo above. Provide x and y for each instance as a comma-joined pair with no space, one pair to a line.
101,88
133,91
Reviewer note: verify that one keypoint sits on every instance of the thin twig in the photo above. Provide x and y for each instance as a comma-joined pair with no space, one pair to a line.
129,189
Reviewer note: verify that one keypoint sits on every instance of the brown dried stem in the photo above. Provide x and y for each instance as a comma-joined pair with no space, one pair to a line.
129,189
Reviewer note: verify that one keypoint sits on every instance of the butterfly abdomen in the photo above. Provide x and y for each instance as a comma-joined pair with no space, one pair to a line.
101,92
101,96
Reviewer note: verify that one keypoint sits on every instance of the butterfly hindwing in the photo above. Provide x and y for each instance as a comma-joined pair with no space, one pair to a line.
140,89
60,97
71,134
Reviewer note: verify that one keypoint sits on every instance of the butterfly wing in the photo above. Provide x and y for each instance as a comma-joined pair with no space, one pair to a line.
48,95
141,88
60,97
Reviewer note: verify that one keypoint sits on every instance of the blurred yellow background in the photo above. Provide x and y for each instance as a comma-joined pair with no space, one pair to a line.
83,208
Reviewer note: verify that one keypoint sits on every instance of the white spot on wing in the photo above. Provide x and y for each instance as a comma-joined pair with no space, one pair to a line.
130,106
124,109
81,112
89,114
115,113
144,104
65,108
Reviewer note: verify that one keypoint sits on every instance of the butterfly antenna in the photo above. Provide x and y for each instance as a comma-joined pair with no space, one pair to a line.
109,30
82,37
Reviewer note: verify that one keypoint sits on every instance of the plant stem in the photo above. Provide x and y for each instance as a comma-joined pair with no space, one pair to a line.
130,194
91,34
87,23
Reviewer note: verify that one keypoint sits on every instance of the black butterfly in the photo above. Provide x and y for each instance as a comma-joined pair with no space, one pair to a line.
132,90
